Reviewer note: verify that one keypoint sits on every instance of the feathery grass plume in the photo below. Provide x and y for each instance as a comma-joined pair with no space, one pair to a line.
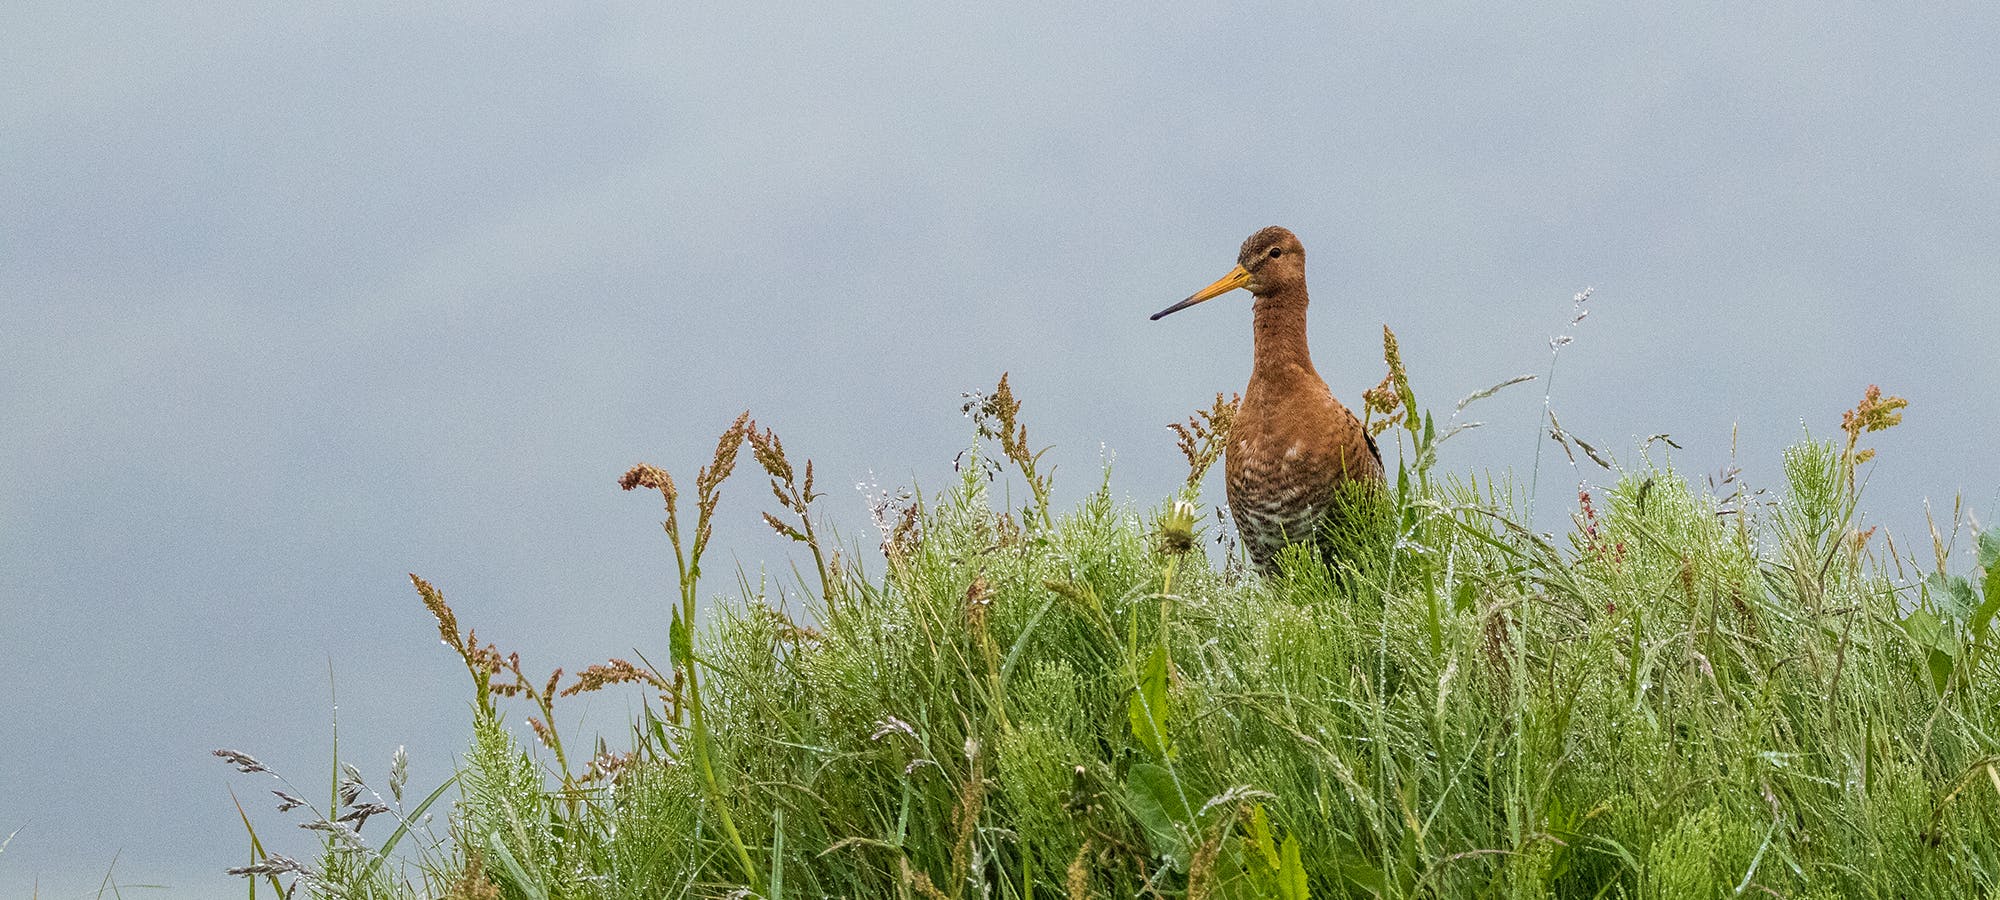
350,785
1387,398
615,671
1486,392
1398,380
708,481
793,494
1397,404
646,476
440,610
1874,413
399,772
652,478
1453,426
243,762
997,417
273,864
1204,437
359,814
482,663
342,835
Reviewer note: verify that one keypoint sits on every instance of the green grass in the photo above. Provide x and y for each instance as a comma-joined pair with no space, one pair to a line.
1686,696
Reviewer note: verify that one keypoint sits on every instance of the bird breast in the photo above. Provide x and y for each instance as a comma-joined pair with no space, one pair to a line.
1285,462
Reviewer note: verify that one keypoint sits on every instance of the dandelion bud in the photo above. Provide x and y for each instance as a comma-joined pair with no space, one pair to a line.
1177,528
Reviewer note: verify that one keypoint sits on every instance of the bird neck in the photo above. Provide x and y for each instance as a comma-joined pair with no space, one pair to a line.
1279,321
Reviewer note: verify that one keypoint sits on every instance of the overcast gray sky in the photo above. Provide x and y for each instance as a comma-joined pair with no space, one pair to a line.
293,303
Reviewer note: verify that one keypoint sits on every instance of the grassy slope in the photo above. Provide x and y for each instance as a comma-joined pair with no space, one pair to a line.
1693,697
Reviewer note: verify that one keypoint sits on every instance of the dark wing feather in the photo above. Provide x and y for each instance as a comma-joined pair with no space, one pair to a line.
1372,449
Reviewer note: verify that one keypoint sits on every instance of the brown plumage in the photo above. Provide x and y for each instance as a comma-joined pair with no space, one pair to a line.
1294,448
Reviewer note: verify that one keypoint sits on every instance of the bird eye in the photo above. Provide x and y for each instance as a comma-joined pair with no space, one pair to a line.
1276,252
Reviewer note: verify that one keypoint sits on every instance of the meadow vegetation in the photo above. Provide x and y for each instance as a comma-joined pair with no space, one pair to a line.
1698,691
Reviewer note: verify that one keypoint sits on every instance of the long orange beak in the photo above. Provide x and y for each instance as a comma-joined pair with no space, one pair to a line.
1237,277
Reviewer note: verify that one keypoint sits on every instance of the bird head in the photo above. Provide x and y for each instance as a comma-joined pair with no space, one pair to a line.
1271,260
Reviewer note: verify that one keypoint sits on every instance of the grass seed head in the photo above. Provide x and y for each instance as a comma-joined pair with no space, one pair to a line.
615,671
978,601
1392,399
358,815
399,772
1873,413
243,762
447,621
274,864
650,477
770,454
1205,435
708,482
345,838
996,416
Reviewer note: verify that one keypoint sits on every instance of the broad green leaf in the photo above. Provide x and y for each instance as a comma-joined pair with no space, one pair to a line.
1149,705
1157,804
1365,876
1989,551
1941,666
1260,837
1923,628
1466,598
1292,872
1934,641
1953,595
679,641
1982,617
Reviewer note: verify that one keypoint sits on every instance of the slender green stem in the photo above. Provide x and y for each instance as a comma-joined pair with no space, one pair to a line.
1535,477
698,722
